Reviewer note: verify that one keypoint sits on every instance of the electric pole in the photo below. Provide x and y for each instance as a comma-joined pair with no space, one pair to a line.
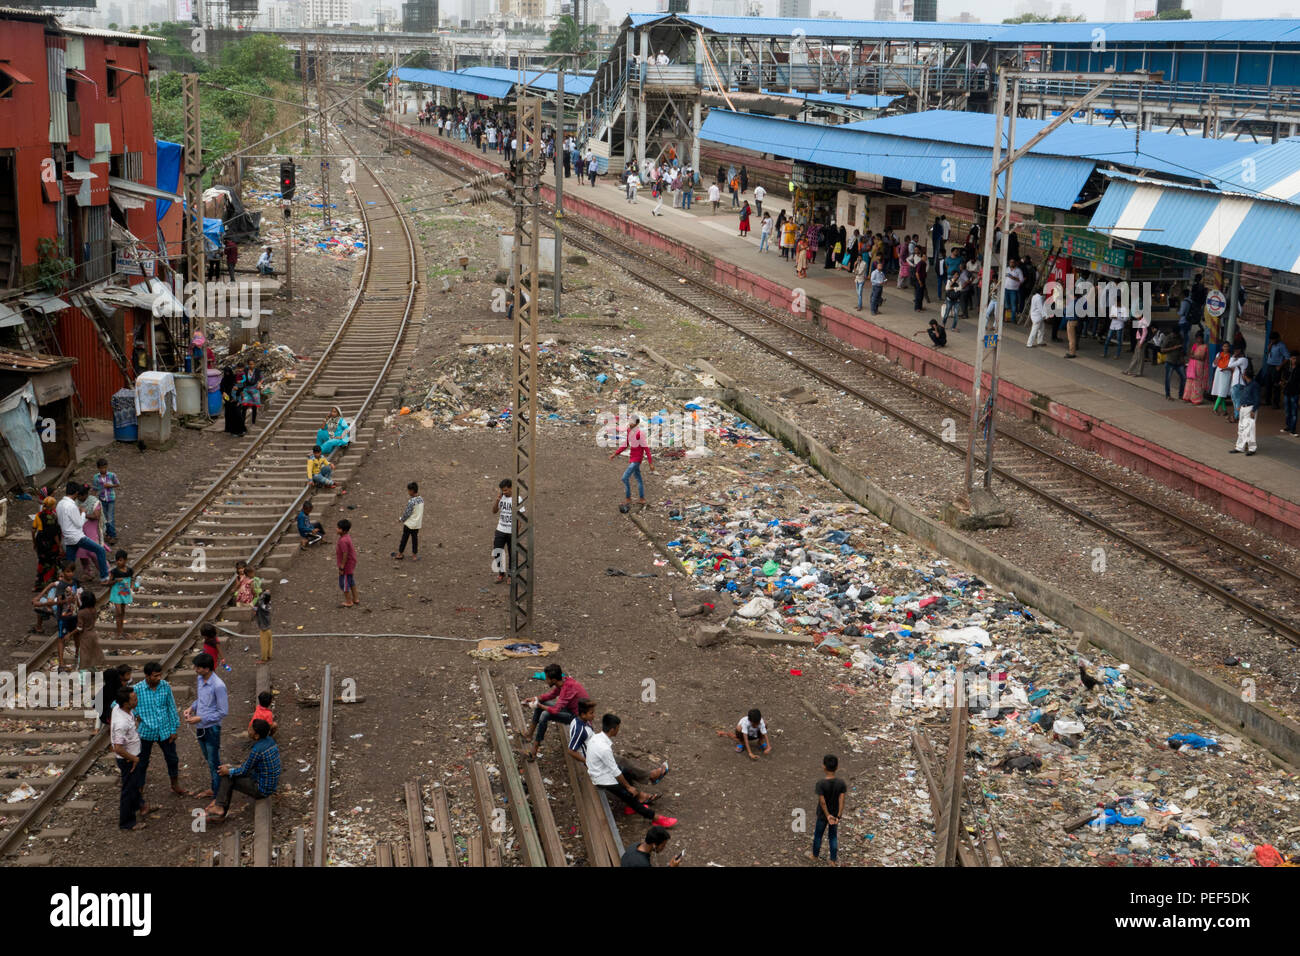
302,59
559,186
979,503
323,116
523,269
194,251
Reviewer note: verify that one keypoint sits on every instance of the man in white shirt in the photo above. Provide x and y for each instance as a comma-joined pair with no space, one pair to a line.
125,741
264,262
759,195
1118,319
1012,286
1038,321
71,520
604,771
633,184
715,196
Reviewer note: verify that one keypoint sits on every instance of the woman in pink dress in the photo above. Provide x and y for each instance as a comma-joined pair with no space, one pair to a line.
1197,371
93,511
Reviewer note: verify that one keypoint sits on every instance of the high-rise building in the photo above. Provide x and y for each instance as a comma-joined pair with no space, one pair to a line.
925,10
420,16
679,6
794,9
884,10
320,13
1164,5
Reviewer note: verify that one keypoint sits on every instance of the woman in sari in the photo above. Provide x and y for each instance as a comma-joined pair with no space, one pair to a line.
336,432
230,400
1197,368
744,220
250,392
801,257
48,543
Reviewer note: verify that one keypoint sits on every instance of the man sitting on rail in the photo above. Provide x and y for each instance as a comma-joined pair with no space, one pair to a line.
258,776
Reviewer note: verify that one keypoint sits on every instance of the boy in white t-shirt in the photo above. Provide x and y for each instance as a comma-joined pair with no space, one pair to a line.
750,732
503,507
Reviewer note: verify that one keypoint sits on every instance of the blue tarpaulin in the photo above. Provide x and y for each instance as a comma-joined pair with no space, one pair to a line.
168,172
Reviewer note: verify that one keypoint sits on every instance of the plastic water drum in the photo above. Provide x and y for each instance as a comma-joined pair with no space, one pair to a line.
124,423
214,391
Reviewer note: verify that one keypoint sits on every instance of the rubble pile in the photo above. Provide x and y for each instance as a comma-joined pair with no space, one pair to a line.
1071,757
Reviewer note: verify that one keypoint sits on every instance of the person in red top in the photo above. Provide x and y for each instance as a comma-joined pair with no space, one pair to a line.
345,555
566,692
263,712
637,448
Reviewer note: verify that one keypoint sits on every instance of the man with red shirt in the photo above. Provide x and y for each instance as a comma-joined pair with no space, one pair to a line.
637,448
566,692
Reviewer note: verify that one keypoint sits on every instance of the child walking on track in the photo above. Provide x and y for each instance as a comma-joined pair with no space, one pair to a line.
122,591
412,518
262,612
638,449
345,554
503,507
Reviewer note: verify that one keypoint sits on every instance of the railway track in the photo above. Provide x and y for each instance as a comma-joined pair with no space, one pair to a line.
186,573
1261,588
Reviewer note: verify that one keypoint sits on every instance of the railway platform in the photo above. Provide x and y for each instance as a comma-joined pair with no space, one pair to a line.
1089,400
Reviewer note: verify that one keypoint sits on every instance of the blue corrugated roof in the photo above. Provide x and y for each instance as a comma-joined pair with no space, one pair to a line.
785,27
1174,154
1271,171
1134,31
1261,232
1053,181
862,101
574,84
481,85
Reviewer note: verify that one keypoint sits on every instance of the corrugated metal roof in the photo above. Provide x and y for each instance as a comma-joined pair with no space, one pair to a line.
1272,171
574,84
108,34
862,101
1174,154
785,27
1156,31
1261,232
1053,181
480,85
1277,30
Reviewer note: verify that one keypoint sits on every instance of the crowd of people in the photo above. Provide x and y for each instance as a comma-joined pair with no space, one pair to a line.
143,714
493,131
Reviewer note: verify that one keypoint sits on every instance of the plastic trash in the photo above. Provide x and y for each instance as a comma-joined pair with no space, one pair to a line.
1195,741
755,607
1111,817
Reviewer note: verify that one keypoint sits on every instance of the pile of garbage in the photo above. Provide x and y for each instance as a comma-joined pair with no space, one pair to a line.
277,363
472,388
1077,759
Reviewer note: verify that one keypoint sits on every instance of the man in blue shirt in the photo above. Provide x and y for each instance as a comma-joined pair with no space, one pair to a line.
210,708
258,776
1274,359
1185,323
156,710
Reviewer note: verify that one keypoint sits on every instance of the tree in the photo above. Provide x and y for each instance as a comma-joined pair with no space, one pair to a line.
259,55
1039,18
1176,14
567,38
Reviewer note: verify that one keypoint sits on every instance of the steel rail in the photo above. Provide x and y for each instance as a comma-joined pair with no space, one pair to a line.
48,799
